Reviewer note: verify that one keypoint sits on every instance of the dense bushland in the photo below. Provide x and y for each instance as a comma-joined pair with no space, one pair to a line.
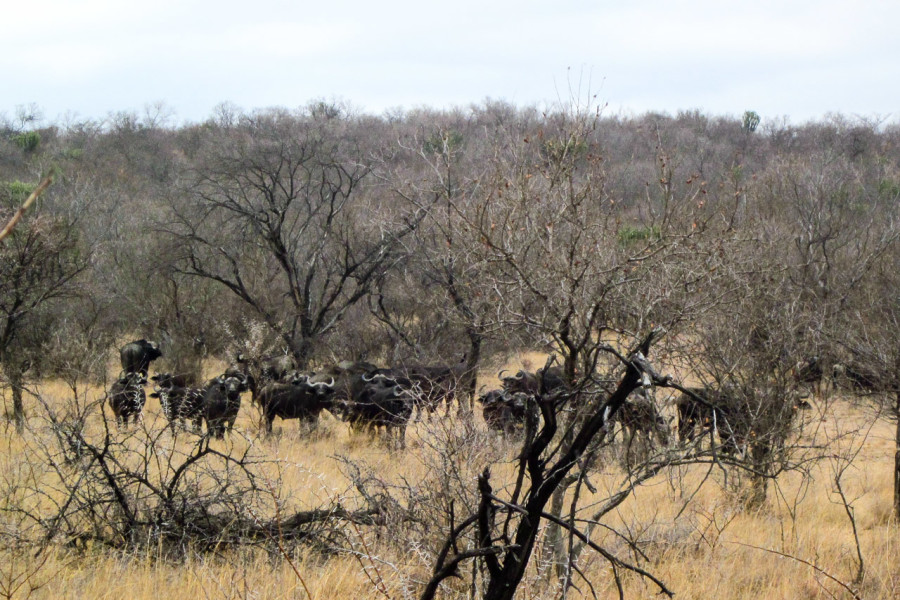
653,254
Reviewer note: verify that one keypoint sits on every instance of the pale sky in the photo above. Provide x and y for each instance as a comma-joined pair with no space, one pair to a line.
798,59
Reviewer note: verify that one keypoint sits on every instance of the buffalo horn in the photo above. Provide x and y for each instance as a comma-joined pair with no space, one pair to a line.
323,384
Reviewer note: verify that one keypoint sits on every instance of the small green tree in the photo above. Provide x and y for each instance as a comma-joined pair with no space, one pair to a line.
750,121
28,141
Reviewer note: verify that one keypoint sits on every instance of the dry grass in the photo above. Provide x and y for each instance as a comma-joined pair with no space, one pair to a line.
708,547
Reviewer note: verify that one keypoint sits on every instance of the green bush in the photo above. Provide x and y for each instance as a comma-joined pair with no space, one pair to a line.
629,235
750,121
449,141
889,189
27,141
555,151
13,193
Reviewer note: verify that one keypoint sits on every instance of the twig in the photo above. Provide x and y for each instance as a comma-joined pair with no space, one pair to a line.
379,583
613,560
848,508
279,541
43,185
815,567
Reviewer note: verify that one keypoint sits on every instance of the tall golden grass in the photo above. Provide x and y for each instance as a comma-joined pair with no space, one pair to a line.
699,540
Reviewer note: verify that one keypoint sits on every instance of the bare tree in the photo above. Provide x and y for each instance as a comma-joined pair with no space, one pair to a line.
506,529
745,353
38,262
843,269
869,335
579,273
444,174
276,216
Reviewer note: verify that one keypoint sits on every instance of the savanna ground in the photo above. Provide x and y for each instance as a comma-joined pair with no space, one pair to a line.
699,539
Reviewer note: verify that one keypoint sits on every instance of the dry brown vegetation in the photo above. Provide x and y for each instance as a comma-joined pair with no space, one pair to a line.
689,522
635,259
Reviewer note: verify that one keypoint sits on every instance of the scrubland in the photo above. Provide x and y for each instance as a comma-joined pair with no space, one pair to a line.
688,524
744,247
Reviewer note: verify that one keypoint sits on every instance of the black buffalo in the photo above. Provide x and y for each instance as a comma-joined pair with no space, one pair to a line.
809,372
256,373
137,356
241,369
708,410
169,379
221,403
126,397
179,403
505,412
348,379
640,419
440,383
420,391
855,378
725,412
300,399
377,405
428,385
277,368
544,381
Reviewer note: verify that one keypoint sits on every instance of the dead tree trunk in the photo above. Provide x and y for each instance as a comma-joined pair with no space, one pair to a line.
18,405
469,383
16,380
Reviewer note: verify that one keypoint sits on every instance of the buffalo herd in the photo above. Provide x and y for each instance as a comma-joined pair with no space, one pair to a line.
376,399
365,396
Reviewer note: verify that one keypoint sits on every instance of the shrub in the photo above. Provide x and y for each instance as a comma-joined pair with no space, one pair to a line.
13,193
629,235
28,141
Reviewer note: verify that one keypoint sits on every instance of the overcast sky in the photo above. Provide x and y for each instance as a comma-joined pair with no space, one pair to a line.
790,58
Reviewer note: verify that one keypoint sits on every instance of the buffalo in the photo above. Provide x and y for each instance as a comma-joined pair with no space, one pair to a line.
277,368
179,402
809,372
725,412
169,379
370,398
855,378
380,406
707,410
299,399
137,356
641,417
256,373
429,385
221,403
348,379
422,391
240,368
505,412
126,397
543,381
